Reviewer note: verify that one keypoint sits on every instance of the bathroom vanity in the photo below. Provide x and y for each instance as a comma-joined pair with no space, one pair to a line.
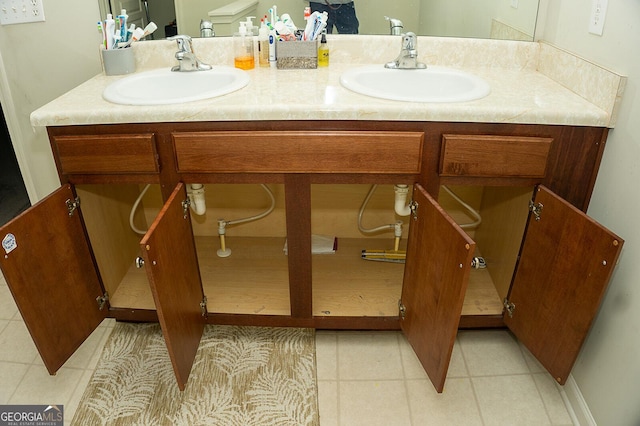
72,261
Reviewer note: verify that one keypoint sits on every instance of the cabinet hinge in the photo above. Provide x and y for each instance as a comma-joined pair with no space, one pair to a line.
402,310
102,300
535,208
203,307
185,207
72,205
509,307
413,206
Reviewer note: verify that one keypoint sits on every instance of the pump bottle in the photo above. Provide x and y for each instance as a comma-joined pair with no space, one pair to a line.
263,45
323,52
244,57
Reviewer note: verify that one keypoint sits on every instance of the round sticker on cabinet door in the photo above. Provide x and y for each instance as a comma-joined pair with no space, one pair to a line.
9,243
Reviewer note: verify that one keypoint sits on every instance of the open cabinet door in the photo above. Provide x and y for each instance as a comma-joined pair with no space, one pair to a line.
171,262
436,275
565,265
49,267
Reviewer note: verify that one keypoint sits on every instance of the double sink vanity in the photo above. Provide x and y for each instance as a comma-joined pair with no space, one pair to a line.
525,156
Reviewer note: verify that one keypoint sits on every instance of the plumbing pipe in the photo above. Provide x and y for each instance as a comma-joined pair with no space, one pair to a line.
196,195
401,207
468,208
133,211
361,213
224,251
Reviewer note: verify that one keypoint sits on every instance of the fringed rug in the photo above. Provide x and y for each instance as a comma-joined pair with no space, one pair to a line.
244,376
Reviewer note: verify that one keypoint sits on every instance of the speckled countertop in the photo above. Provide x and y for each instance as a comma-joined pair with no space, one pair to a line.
532,83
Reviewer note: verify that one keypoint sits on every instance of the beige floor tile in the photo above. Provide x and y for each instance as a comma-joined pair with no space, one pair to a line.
327,356
38,387
16,344
532,362
369,356
328,402
456,405
553,402
491,352
373,403
413,369
510,400
11,375
8,308
3,324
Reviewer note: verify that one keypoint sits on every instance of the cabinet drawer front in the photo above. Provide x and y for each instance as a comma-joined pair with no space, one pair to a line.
299,152
100,154
494,156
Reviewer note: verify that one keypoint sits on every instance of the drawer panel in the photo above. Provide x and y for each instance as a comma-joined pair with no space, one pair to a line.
299,152
494,156
107,154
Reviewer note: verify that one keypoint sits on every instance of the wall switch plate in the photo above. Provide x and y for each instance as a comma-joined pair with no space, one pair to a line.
21,11
514,4
598,13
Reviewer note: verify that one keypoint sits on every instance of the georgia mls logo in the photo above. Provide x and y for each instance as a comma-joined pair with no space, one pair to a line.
31,415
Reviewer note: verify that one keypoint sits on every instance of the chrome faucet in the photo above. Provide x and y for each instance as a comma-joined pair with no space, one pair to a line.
187,60
408,57
395,26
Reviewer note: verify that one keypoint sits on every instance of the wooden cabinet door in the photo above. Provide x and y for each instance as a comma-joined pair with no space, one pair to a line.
436,275
171,262
565,265
49,267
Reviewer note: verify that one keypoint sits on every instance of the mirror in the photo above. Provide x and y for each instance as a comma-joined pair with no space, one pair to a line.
500,19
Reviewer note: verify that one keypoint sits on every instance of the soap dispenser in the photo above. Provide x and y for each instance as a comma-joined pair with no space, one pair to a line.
263,45
244,57
323,51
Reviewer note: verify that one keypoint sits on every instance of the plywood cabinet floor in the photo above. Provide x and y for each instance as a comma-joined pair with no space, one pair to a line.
254,280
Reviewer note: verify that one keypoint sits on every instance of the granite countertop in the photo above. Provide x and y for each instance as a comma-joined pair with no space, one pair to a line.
527,86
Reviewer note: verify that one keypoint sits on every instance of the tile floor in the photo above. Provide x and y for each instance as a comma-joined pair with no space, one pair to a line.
364,378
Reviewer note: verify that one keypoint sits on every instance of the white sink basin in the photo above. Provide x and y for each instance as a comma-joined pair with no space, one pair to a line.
163,86
433,84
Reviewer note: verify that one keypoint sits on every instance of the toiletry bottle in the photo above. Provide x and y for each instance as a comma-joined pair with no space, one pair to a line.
244,57
263,45
323,52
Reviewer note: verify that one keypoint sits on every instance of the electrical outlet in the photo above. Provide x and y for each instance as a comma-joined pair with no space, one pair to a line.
598,13
21,11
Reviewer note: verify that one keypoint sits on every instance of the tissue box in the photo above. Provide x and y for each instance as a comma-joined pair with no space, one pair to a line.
297,54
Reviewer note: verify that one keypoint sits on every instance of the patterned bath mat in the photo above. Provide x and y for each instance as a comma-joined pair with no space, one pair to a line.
244,376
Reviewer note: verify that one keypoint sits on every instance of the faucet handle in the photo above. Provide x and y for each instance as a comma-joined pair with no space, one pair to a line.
184,42
395,25
409,41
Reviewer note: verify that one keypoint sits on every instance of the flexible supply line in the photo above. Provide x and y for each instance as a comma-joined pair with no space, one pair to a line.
224,251
468,208
195,192
397,226
133,211
361,213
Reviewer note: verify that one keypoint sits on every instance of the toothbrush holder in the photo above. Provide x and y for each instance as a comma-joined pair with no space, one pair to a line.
118,61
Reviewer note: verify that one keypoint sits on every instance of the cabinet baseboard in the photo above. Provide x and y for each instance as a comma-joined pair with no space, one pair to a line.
576,404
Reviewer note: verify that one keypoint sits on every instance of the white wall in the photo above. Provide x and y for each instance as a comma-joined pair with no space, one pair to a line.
37,65
608,369
39,62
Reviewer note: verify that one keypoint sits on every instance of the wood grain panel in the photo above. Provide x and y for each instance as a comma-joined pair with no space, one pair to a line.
504,156
566,262
107,154
299,152
171,263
